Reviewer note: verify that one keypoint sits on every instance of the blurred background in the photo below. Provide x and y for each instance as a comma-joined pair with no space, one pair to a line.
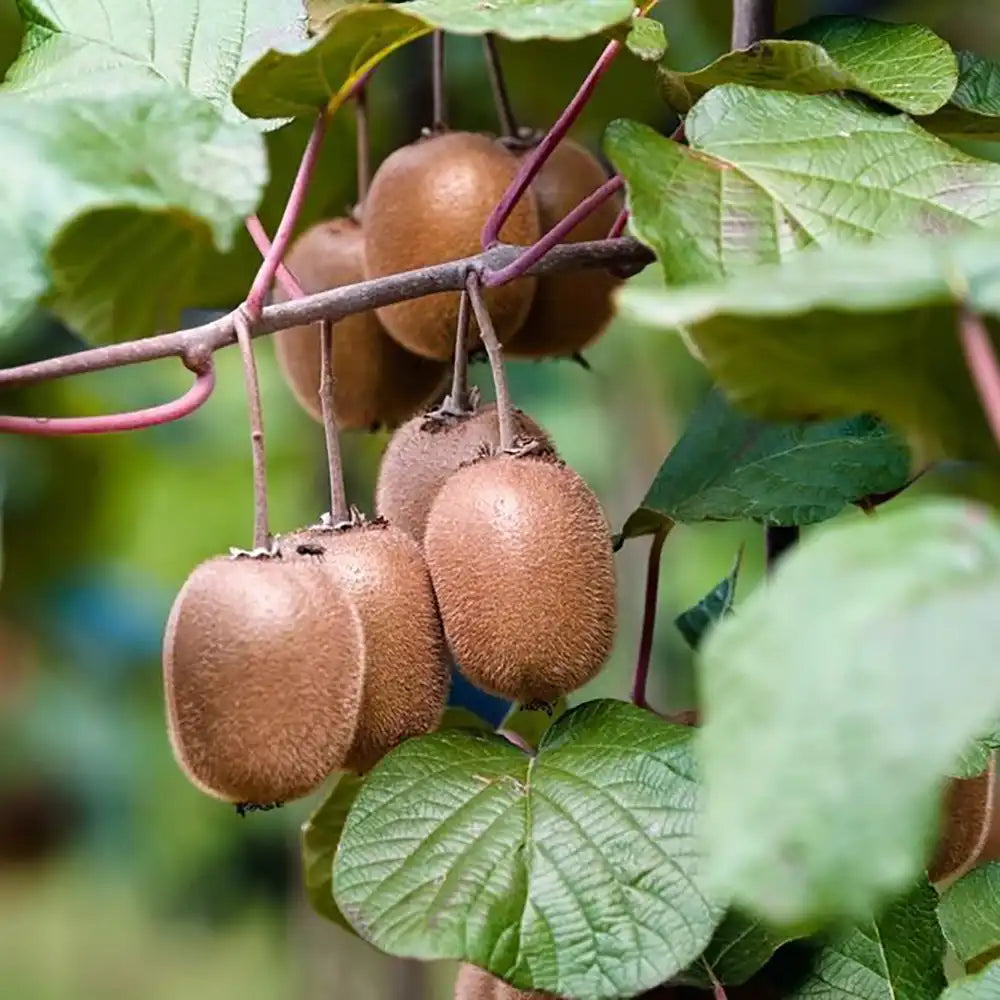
117,878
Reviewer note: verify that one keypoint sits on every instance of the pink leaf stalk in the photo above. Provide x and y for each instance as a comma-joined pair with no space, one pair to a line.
981,361
111,423
618,226
262,241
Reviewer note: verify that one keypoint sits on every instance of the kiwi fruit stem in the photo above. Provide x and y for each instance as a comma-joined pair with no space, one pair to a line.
363,141
339,513
619,224
505,413
261,527
457,402
439,114
501,98
648,618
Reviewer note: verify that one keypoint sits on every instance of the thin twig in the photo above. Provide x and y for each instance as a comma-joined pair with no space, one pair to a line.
197,343
981,360
265,276
618,226
458,398
554,236
110,423
339,512
648,619
778,539
532,163
752,21
364,168
501,98
261,528
262,241
439,112
505,413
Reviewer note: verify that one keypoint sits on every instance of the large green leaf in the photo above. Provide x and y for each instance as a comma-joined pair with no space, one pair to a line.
145,183
768,173
844,330
321,834
974,108
740,947
93,49
985,985
727,466
897,956
574,871
905,65
835,703
969,912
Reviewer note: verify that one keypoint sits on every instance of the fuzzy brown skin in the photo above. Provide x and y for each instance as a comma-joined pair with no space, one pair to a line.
263,675
422,454
570,311
427,204
407,673
376,382
968,814
520,555
474,983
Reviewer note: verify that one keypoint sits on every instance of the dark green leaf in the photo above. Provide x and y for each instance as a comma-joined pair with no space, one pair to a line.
646,39
969,912
321,834
974,108
575,871
112,205
825,746
895,957
695,623
846,330
531,724
905,65
727,466
10,34
984,985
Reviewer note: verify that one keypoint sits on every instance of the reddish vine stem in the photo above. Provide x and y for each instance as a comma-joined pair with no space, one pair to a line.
533,162
501,97
648,619
111,423
618,226
364,168
439,113
981,360
554,236
261,527
505,413
262,241
339,512
752,21
265,276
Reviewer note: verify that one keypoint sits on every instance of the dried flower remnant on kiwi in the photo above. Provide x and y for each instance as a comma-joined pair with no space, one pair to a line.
427,204
520,555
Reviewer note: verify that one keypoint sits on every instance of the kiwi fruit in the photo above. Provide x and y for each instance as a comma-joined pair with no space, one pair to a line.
967,816
520,555
571,310
406,669
263,676
426,450
378,383
427,204
474,983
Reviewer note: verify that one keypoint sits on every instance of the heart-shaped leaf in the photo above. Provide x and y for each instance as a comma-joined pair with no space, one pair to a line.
837,700
969,913
905,65
574,871
974,108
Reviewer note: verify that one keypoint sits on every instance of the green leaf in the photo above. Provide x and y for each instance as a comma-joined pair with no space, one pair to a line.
107,49
574,871
969,912
825,746
897,956
302,79
740,947
768,173
975,758
974,108
456,717
905,65
520,20
112,205
10,34
695,623
646,39
984,985
846,330
321,834
532,723
727,466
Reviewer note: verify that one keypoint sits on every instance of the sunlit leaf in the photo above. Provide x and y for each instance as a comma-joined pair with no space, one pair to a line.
969,912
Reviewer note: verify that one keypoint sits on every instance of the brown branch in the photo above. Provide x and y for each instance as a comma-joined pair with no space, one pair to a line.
196,345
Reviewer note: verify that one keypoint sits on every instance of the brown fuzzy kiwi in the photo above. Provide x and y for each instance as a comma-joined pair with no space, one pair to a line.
378,383
968,813
406,671
569,310
474,983
520,555
427,204
426,450
263,675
